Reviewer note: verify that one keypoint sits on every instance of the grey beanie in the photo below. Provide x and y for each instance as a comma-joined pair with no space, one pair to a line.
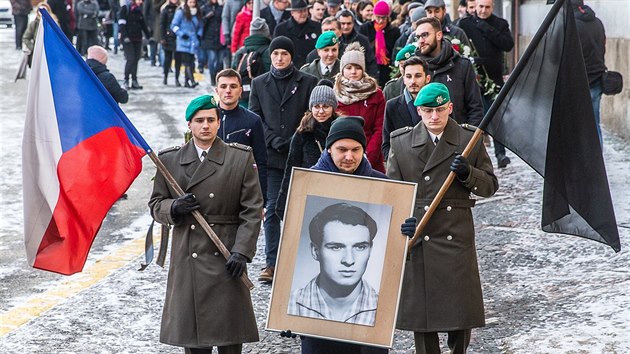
259,27
354,54
323,94
417,14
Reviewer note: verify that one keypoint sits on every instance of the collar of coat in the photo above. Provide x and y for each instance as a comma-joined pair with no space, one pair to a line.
215,154
433,155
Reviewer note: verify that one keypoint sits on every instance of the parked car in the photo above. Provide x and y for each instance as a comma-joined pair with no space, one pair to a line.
6,18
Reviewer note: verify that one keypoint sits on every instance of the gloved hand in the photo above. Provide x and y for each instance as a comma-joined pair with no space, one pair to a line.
482,25
461,167
236,264
185,37
408,228
184,205
287,334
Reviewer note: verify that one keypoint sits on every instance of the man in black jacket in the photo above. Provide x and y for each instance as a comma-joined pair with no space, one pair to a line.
301,30
280,97
349,35
275,13
97,60
491,37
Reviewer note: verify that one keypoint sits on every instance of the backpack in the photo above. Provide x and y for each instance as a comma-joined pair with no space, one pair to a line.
250,66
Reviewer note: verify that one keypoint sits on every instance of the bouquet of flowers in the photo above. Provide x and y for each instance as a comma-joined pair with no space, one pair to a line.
488,87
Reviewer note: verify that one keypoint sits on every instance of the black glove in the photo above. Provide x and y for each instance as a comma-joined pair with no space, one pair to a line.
461,167
236,264
408,228
287,334
185,37
482,25
184,205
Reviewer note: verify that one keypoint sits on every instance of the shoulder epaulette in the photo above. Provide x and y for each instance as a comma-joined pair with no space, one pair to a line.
304,66
240,146
390,82
400,131
470,127
169,149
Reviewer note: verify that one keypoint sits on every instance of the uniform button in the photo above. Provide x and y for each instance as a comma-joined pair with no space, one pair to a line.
192,227
474,188
194,255
449,208
449,237
211,195
426,238
426,208
216,253
427,178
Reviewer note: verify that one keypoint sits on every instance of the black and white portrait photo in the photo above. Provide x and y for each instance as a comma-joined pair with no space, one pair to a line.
340,260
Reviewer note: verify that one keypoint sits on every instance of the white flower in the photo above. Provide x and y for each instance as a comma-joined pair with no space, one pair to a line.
455,41
466,51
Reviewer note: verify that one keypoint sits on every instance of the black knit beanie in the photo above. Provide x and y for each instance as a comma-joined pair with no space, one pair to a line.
349,127
282,42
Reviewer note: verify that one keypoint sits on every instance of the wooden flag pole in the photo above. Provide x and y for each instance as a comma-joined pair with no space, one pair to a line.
204,224
440,194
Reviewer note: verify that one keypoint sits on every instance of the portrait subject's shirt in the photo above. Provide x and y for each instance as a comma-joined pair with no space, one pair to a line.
309,302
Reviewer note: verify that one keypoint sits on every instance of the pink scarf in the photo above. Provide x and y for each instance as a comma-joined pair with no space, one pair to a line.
380,46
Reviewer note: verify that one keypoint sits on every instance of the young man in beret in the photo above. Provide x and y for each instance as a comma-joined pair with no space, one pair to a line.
441,289
327,66
206,303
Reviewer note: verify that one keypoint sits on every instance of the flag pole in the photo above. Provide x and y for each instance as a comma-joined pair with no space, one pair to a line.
531,48
204,224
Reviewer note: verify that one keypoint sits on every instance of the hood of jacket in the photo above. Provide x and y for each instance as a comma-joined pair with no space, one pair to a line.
255,41
96,66
583,13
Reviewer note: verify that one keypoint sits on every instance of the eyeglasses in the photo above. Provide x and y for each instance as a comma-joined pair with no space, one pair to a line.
321,107
424,35
428,110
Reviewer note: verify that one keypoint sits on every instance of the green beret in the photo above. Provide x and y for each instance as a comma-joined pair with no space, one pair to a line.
326,39
406,52
201,102
434,94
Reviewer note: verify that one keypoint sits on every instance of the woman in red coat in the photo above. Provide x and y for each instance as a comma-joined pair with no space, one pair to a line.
358,95
241,26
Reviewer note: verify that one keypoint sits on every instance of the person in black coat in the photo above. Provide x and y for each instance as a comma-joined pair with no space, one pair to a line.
280,97
132,27
301,30
169,41
275,13
390,34
97,61
211,51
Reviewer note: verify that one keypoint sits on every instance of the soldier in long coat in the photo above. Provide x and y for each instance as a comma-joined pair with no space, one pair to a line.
441,289
206,303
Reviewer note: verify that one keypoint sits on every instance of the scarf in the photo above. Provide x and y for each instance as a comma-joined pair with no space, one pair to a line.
281,73
379,44
351,91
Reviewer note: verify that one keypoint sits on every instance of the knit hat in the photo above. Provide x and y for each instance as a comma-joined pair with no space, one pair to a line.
199,103
406,52
434,94
282,42
259,27
97,53
326,39
323,94
417,14
381,8
354,54
350,127
434,3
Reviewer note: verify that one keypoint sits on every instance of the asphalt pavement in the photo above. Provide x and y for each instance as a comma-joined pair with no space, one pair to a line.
544,293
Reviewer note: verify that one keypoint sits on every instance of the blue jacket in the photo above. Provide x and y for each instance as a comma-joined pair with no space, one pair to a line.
188,32
245,127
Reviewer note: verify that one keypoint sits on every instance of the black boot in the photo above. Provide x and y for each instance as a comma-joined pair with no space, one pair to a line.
177,84
190,78
135,85
165,78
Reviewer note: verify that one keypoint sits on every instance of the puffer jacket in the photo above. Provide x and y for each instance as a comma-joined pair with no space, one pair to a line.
187,31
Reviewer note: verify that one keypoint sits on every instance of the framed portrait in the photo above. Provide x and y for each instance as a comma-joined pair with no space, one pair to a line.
341,257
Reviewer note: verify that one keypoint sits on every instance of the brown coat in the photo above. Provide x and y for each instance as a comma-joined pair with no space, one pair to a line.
441,288
204,305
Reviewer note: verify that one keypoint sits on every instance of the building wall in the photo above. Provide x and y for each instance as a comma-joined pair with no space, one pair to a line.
615,15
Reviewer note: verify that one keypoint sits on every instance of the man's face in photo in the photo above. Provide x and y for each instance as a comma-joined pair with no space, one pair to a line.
343,254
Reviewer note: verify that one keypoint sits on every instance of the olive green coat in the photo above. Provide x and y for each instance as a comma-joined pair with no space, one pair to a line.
204,305
441,288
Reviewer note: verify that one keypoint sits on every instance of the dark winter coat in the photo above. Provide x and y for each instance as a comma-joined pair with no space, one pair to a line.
108,80
304,36
397,115
132,24
393,88
251,44
370,58
243,126
87,15
204,305
59,8
152,15
168,37
593,39
441,288
271,21
451,31
491,38
211,26
280,114
21,7
305,150
313,69
458,75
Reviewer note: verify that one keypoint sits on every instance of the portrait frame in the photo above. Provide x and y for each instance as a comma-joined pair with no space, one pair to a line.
381,196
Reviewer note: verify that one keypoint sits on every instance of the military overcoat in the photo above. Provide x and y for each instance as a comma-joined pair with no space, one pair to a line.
204,305
441,287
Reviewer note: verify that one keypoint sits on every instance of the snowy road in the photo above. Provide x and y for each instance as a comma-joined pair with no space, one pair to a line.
544,293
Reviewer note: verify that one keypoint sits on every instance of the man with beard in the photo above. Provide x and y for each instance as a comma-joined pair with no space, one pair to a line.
400,111
448,67
301,30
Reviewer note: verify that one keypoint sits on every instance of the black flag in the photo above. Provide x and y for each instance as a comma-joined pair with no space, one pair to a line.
544,115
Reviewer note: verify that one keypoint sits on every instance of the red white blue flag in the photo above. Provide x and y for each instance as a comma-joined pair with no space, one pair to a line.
80,153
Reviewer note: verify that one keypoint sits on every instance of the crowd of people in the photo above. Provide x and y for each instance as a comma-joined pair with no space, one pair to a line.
380,89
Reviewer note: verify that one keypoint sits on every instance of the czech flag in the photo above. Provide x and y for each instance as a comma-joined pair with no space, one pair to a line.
80,153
